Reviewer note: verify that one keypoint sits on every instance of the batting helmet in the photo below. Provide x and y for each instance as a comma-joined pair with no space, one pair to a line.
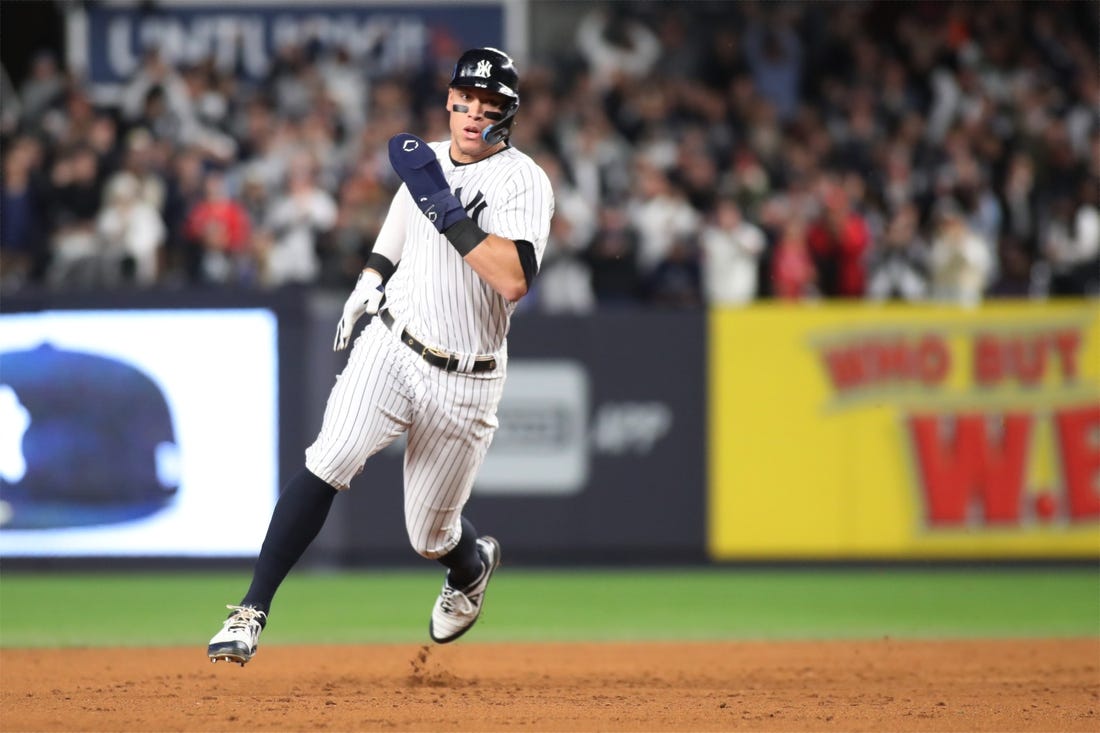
488,68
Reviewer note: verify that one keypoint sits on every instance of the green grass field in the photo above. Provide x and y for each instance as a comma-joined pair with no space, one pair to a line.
181,608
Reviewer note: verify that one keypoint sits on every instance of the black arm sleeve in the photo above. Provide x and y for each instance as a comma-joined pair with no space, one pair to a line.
527,260
382,264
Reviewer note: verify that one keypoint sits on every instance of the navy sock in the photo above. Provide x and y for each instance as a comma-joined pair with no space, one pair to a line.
298,517
463,562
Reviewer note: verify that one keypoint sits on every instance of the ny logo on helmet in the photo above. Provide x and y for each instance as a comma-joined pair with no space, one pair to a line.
484,69
410,145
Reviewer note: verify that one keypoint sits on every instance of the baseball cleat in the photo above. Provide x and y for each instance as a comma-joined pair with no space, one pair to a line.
455,610
239,638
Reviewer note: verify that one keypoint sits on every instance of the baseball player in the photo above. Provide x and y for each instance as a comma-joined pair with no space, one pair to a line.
459,247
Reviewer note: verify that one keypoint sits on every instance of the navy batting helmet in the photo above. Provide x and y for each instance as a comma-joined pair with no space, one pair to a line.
488,68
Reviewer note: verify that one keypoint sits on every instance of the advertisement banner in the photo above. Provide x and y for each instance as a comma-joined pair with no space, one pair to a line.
150,433
858,431
109,40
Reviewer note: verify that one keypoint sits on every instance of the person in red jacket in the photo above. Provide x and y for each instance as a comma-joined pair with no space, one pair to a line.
219,229
839,241
792,268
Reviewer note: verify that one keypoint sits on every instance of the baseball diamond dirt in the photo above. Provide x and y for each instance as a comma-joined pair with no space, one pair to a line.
1007,685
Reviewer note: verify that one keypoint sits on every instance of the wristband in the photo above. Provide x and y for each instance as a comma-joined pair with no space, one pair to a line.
464,235
382,264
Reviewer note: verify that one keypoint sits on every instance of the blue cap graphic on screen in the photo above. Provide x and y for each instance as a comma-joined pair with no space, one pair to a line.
84,440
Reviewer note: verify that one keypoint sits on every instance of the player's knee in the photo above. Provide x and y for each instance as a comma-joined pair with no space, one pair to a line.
431,554
327,476
433,546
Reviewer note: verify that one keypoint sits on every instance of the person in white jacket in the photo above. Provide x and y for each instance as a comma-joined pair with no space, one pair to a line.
616,46
131,232
731,253
960,259
296,220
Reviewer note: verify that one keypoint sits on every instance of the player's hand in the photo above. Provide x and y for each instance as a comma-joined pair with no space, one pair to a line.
365,298
415,162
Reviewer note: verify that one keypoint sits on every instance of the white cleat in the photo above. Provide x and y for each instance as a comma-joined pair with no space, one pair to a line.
455,610
239,638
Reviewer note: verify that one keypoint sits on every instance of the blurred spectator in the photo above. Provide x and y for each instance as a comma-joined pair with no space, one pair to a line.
898,267
1015,278
346,85
155,77
774,53
617,46
747,179
839,241
255,199
564,283
138,161
21,214
294,80
1021,200
132,234
676,282
69,123
599,158
44,87
960,259
75,254
979,204
731,248
723,58
219,236
661,214
183,191
297,221
696,169
206,94
1071,241
103,140
612,256
793,275
681,42
361,208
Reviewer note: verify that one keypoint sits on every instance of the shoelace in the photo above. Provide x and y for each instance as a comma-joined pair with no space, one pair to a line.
456,601
244,617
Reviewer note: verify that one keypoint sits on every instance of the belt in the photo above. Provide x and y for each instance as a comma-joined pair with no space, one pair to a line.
435,357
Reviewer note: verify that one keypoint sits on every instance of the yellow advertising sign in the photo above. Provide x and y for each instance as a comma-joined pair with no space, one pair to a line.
868,431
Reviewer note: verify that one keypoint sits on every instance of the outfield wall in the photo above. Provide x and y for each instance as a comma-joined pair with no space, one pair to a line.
789,433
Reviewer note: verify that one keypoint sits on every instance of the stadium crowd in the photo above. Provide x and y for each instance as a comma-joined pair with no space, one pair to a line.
701,153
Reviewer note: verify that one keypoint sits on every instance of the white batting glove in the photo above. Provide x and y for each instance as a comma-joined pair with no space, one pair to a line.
365,298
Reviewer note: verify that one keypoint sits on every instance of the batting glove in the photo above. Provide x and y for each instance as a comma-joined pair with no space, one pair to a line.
415,163
365,298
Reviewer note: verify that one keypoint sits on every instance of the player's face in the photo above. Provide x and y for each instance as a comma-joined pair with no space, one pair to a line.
472,110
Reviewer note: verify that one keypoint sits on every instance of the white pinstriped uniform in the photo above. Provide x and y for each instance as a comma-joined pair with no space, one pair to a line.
387,389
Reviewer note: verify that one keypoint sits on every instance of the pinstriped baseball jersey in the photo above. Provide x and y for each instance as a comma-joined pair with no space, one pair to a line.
444,302
388,389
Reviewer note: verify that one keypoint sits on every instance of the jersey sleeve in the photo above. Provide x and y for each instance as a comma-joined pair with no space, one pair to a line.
391,237
526,212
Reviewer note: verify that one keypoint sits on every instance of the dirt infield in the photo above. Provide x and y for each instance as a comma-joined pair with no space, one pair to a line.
1049,685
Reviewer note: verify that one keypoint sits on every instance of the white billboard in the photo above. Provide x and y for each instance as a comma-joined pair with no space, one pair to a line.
137,433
